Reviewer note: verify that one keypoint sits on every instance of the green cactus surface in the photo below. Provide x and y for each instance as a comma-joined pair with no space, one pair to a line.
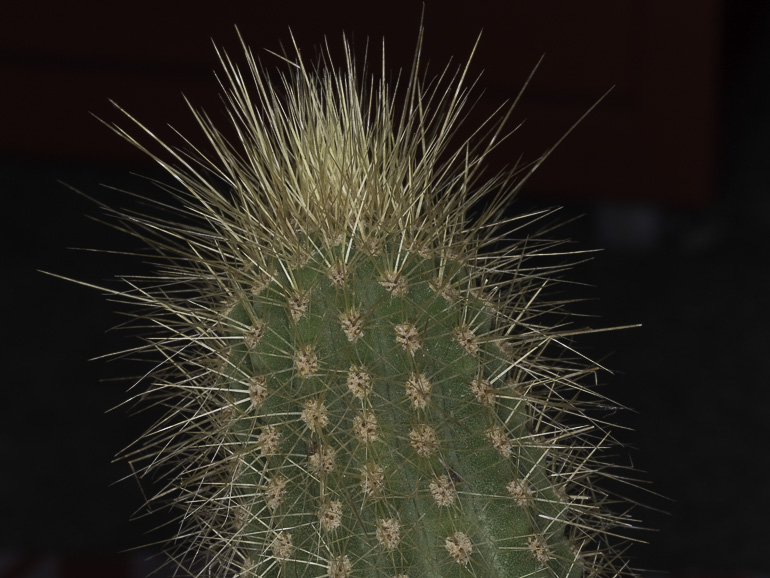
377,413
363,373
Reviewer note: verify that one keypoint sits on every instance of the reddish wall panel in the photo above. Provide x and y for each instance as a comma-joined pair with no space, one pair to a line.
652,139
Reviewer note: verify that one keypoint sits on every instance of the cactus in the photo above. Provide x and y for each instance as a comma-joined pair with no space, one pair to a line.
363,375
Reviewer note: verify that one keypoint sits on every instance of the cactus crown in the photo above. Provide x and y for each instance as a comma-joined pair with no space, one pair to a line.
359,374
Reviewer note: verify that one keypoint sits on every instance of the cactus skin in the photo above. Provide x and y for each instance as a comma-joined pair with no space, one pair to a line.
436,415
359,375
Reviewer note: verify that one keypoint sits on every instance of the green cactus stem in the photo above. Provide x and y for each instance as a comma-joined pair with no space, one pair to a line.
376,412
362,368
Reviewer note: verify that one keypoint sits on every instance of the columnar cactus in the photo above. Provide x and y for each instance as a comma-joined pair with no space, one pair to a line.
363,376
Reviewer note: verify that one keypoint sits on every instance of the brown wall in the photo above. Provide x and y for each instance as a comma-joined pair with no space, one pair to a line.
652,139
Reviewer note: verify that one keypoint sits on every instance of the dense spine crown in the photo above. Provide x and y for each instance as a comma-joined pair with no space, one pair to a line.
360,384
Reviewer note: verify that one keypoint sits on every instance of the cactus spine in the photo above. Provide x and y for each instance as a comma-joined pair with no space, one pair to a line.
359,376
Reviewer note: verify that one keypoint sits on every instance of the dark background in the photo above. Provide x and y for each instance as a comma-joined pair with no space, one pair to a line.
669,174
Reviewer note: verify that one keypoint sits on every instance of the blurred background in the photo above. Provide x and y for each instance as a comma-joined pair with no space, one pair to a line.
669,176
